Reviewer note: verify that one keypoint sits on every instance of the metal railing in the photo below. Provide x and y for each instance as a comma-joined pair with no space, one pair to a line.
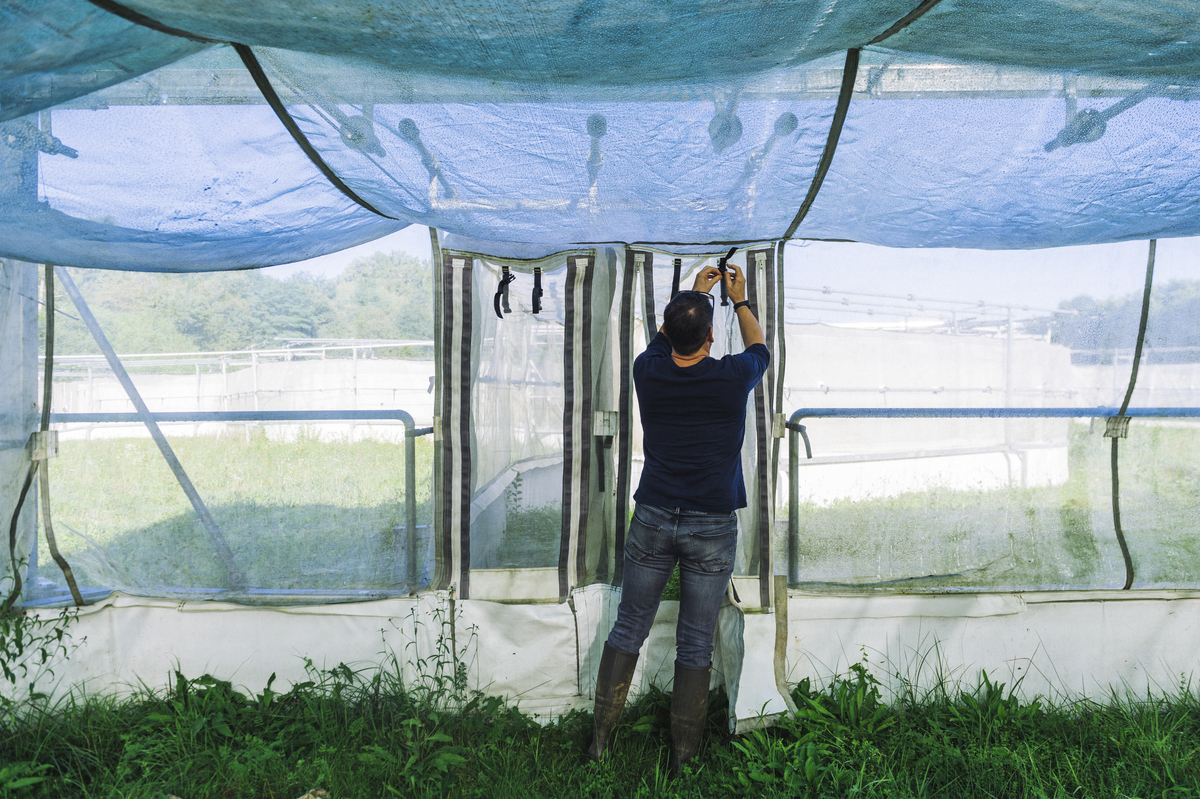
797,431
411,434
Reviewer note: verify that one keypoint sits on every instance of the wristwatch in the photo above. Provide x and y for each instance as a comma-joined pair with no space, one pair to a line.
737,305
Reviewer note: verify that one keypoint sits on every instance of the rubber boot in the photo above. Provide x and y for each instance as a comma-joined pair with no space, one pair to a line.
689,709
612,688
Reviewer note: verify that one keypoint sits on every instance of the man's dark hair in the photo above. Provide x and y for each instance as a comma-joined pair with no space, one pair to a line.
686,321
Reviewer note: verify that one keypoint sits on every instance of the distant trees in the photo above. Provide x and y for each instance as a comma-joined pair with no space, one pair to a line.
386,296
1111,324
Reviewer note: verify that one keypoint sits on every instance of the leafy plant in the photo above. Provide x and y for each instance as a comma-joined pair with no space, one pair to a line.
15,776
29,646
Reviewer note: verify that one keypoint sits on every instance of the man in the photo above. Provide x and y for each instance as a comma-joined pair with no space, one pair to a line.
693,411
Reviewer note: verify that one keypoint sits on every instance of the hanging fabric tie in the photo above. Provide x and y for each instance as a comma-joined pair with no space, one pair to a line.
537,290
678,263
500,301
1117,427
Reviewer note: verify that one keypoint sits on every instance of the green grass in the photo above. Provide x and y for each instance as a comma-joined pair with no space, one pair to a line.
320,515
302,515
1050,537
368,735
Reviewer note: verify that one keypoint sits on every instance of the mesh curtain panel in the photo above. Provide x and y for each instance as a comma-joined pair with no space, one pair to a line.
18,362
313,509
528,456
992,504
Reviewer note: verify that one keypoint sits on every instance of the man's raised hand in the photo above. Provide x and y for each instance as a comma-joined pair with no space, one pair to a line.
706,278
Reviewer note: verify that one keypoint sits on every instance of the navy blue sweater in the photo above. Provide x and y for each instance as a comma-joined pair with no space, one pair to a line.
693,423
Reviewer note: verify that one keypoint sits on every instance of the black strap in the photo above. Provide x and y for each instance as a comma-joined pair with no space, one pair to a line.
44,466
500,301
849,73
268,92
1141,336
537,290
1137,358
138,18
650,319
678,265
722,268
905,21
12,542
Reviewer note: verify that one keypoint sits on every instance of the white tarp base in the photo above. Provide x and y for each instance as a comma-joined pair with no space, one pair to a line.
543,657
1060,645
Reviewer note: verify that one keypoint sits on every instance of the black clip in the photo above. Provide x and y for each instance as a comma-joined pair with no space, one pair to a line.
537,290
1116,427
502,294
723,269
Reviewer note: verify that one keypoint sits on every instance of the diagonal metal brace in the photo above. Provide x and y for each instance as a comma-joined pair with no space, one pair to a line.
236,579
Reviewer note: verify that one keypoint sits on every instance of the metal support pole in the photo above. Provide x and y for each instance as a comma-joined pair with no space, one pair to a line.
410,497
1008,380
237,580
793,542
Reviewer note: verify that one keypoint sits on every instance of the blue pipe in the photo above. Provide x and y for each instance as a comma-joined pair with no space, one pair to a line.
984,413
794,427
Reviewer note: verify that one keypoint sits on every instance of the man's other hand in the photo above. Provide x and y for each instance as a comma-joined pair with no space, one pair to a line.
706,278
735,283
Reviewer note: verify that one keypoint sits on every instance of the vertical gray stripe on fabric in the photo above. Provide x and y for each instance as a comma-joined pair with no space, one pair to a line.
650,321
768,283
624,418
464,429
447,440
761,556
584,497
780,348
568,478
441,574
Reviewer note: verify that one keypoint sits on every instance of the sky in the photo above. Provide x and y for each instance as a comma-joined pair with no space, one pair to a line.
1038,278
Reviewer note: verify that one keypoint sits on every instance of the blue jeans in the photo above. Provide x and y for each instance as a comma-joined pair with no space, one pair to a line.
704,545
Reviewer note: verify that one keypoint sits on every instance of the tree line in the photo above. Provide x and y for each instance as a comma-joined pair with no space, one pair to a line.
390,296
382,296
1107,325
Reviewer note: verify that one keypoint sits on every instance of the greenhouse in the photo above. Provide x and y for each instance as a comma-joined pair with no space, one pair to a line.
967,230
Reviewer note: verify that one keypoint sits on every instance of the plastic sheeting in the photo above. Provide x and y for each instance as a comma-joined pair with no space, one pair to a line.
57,50
992,504
210,187
18,412
987,160
185,167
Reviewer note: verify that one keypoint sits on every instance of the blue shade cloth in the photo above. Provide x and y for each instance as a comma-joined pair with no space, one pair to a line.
954,171
558,125
588,42
1110,37
503,163
52,51
628,42
177,188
